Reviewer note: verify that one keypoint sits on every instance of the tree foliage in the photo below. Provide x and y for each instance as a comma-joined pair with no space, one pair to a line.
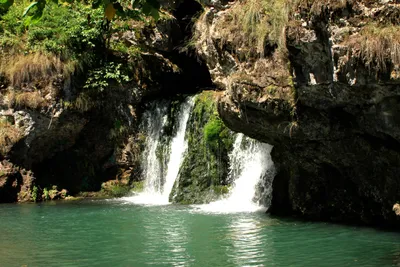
34,11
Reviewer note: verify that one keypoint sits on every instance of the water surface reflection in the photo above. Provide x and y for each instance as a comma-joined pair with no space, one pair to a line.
167,237
249,246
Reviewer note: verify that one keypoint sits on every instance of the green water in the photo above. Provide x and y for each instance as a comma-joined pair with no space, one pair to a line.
111,233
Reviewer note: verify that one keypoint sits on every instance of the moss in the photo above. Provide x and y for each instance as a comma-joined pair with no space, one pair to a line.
116,190
138,186
221,189
203,173
119,191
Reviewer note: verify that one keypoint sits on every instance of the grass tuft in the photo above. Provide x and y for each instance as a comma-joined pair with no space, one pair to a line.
378,47
32,67
256,24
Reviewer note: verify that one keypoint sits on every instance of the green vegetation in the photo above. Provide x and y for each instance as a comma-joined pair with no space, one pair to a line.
119,191
99,79
138,186
203,174
216,133
114,189
34,11
58,44
36,56
46,195
220,190
35,193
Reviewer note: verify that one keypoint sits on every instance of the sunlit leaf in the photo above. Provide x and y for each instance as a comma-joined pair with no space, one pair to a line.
110,12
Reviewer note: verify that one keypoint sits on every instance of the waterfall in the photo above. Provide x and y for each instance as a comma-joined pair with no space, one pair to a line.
252,170
178,148
158,181
154,119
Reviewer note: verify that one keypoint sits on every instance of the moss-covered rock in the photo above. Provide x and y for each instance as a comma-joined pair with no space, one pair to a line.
204,171
115,188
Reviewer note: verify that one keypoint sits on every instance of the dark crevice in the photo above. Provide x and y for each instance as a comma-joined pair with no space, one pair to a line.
185,14
193,75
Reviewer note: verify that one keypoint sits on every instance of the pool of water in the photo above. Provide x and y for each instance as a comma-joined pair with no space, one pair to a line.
117,233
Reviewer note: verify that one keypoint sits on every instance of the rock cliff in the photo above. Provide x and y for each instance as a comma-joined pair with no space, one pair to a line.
319,80
73,124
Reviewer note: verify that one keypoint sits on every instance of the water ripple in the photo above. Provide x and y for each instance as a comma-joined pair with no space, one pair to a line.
113,234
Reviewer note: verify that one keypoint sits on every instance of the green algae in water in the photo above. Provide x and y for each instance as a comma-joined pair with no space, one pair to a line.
114,233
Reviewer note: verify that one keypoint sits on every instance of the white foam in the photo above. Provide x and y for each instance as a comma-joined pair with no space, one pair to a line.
251,167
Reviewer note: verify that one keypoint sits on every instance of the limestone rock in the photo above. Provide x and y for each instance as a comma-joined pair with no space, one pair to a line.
335,128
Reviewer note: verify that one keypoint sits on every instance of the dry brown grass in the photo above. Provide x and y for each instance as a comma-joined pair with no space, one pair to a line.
317,6
378,47
253,23
32,100
38,67
9,135
83,102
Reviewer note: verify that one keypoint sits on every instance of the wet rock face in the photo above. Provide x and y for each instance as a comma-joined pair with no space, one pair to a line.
203,175
336,130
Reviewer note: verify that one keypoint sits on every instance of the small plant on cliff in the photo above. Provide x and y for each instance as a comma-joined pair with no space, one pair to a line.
46,195
99,79
35,193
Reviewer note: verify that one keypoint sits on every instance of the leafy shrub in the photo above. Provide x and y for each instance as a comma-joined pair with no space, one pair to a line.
99,79
34,194
64,32
46,195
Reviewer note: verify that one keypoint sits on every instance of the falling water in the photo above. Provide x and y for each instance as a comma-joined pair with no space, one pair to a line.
178,148
252,170
155,119
159,182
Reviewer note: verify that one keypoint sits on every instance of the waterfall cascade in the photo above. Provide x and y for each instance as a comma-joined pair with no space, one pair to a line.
154,120
250,165
178,148
159,182
252,170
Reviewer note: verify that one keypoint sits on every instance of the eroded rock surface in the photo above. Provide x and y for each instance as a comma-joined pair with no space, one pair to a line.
329,105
